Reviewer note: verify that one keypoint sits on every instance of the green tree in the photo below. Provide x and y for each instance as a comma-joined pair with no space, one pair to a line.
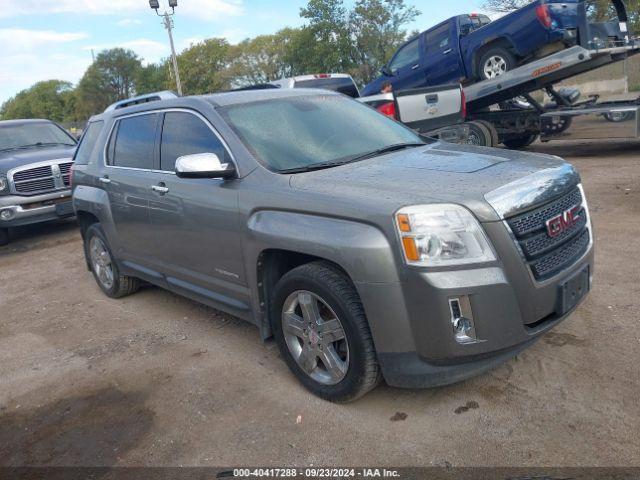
377,30
326,39
264,58
153,78
204,67
51,99
109,79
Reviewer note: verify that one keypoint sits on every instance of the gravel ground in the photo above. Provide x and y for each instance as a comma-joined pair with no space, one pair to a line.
156,380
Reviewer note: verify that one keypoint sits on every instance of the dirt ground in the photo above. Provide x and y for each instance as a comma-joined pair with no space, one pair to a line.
157,380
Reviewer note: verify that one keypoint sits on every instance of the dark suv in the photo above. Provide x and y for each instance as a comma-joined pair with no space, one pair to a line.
35,170
366,252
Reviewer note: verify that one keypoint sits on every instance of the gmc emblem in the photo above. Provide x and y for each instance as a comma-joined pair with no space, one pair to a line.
563,222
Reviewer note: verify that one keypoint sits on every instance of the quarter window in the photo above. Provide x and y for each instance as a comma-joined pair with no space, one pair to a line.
134,142
185,134
88,143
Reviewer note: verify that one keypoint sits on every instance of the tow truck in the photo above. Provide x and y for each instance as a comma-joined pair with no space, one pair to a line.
502,110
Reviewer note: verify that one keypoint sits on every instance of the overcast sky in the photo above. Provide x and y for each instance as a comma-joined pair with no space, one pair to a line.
45,39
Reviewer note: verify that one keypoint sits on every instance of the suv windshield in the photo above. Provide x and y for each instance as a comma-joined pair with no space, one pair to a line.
307,131
35,135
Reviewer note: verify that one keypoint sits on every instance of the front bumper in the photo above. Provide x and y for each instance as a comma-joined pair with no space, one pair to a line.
35,209
411,322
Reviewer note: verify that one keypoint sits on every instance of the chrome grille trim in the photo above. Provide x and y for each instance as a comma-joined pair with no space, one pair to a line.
41,177
566,250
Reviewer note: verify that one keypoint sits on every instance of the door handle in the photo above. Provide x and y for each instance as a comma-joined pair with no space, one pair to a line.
415,67
160,189
104,180
447,52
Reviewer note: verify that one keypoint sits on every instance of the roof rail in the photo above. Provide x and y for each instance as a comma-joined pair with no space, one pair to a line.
150,97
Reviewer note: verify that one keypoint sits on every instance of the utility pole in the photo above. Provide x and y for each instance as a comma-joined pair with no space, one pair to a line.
167,22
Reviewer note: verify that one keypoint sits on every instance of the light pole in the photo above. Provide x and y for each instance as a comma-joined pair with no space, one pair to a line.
167,21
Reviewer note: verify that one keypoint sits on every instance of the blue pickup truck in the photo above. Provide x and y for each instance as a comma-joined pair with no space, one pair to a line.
470,48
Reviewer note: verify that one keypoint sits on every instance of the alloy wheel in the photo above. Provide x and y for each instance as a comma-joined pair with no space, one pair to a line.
495,66
101,262
315,337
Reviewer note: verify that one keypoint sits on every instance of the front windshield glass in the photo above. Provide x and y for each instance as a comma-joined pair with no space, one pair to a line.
297,132
32,134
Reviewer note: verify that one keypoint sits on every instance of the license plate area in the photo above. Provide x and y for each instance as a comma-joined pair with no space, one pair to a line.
572,291
64,209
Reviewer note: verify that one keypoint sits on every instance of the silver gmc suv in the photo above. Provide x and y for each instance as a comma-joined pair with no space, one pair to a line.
35,171
365,250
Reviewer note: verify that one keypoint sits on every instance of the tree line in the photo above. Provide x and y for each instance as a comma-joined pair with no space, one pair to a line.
358,40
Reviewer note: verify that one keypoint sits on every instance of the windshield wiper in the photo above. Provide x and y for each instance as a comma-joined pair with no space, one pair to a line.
44,144
312,167
388,149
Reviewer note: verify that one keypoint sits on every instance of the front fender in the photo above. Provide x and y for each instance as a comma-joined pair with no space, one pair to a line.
361,250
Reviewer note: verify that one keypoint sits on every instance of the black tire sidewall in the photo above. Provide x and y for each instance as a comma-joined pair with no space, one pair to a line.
495,51
342,391
4,237
483,131
95,231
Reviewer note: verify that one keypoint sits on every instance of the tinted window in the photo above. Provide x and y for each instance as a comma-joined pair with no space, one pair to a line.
438,39
408,55
291,133
341,85
135,142
88,143
185,134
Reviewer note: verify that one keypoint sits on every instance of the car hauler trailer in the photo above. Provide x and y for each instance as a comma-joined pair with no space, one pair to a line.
493,117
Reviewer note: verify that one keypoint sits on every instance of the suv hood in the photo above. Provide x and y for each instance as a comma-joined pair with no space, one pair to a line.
19,158
492,183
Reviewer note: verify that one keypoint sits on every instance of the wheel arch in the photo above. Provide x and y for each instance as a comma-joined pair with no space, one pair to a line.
503,42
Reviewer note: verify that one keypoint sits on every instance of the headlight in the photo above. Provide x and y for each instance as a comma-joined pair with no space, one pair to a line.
4,185
442,234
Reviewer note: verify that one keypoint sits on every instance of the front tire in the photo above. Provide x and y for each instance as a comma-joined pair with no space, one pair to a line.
104,266
495,62
4,237
321,329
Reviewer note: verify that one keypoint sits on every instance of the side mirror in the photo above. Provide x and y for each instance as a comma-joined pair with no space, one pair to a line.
203,165
386,71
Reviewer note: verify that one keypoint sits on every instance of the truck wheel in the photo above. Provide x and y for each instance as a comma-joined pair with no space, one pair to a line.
493,132
104,267
4,237
321,329
520,142
479,134
617,117
495,62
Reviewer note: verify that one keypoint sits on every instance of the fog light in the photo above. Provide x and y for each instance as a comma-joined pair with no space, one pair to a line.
464,329
6,214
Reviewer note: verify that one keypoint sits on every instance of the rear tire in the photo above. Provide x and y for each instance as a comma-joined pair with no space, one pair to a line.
496,61
104,266
493,133
520,142
479,134
321,329
4,237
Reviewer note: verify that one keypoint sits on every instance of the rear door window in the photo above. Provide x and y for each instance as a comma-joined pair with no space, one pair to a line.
88,143
408,55
184,133
438,39
134,142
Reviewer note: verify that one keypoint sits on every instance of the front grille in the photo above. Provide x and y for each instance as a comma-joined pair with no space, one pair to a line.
547,255
42,179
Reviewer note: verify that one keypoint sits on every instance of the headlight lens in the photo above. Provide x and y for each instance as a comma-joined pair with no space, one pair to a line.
4,185
440,235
